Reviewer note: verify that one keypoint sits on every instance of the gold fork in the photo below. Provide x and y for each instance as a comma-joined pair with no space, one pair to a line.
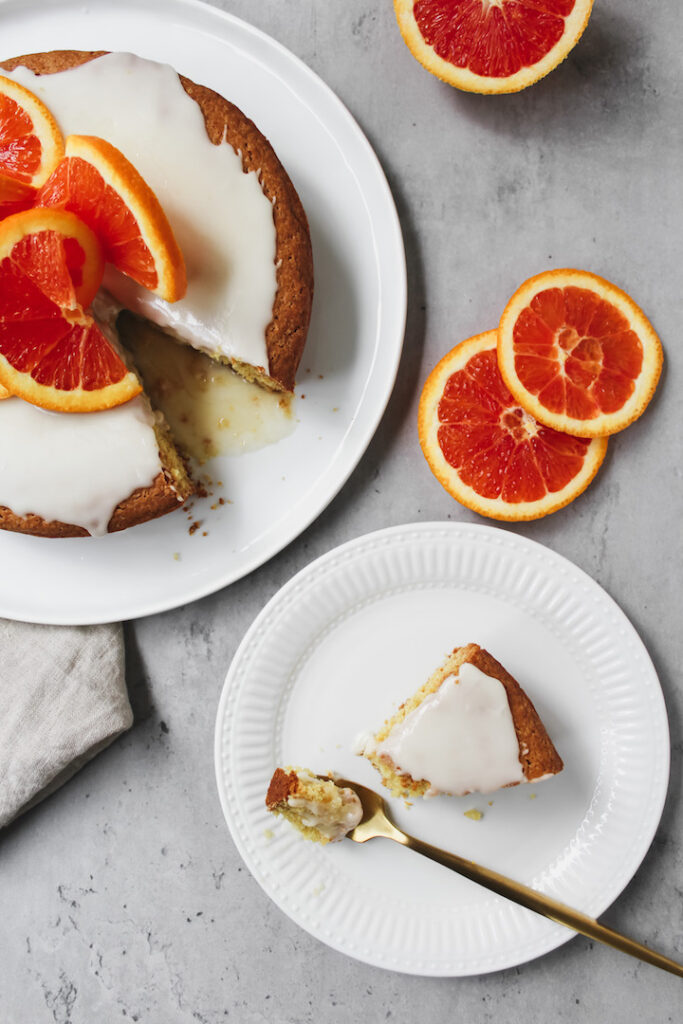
376,823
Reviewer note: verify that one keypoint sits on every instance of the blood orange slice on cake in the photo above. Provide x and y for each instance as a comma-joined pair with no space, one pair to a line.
52,353
97,182
31,146
491,46
58,252
577,353
487,451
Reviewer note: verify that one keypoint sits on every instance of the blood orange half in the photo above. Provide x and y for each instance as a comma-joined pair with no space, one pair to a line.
52,354
491,46
577,353
97,182
486,451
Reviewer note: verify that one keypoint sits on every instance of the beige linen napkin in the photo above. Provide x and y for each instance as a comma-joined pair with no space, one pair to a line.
62,699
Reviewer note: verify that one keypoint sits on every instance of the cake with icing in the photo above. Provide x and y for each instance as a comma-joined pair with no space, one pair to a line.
246,244
88,473
470,728
319,808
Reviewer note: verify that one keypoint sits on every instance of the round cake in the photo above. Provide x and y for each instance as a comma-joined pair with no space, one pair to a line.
240,225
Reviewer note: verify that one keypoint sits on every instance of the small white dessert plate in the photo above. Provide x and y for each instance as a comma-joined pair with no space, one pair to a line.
355,633
353,348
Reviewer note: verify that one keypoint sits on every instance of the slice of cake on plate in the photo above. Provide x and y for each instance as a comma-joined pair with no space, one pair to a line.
319,808
470,729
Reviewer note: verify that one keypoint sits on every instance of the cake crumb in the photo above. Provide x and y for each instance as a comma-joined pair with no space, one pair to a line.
195,526
473,814
532,796
319,889
268,834
205,533
490,803
176,556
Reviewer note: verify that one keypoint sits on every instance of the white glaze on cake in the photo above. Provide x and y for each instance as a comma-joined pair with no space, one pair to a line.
461,738
220,216
75,467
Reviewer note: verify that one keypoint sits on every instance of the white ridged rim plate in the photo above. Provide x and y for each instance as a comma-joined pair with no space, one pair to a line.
353,348
354,634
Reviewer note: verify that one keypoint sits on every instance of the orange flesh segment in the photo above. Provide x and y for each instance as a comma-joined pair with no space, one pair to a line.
576,353
77,186
492,39
497,449
15,196
46,258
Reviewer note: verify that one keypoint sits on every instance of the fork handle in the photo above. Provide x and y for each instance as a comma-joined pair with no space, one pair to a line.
540,903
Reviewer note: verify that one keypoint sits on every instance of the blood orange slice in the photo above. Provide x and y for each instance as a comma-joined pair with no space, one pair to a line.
488,452
577,353
58,252
53,354
31,144
491,46
97,182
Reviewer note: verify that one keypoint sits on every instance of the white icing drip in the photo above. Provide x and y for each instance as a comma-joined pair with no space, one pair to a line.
222,220
461,738
75,467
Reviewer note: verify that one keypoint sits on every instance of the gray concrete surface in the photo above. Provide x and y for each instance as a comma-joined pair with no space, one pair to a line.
122,897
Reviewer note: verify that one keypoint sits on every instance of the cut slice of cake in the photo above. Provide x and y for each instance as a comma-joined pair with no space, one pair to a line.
319,808
470,729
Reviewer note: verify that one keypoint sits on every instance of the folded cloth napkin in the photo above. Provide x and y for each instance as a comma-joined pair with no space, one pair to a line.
62,699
